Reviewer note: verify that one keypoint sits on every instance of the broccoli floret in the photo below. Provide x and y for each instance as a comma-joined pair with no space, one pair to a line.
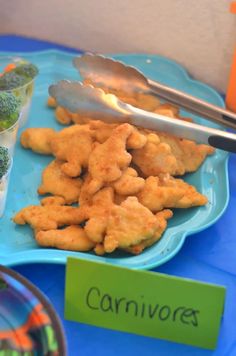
4,161
28,70
9,109
12,80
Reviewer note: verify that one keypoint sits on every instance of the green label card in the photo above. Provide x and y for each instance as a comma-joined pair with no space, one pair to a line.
143,302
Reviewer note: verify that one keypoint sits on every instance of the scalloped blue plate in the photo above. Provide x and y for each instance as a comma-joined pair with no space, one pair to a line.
17,244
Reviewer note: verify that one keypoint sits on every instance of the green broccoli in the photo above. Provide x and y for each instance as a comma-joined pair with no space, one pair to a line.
28,70
4,161
9,110
12,80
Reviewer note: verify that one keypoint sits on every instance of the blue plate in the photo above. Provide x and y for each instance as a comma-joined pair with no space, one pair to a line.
17,244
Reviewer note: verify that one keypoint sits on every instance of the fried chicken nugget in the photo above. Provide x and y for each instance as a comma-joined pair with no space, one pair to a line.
146,101
101,203
71,238
171,111
38,139
66,117
74,146
164,153
104,130
189,155
129,224
85,197
191,196
162,218
54,200
155,157
109,159
49,217
56,182
167,192
129,183
136,140
167,110
97,210
63,116
51,102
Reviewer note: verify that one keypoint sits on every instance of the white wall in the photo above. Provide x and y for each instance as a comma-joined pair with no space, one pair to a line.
200,34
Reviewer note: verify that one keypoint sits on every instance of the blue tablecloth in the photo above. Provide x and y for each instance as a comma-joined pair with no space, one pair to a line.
208,256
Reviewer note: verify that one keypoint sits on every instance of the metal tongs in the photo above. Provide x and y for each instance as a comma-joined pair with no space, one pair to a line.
95,103
112,74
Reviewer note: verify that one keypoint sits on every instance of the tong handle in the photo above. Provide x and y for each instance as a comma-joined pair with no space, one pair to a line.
219,139
195,105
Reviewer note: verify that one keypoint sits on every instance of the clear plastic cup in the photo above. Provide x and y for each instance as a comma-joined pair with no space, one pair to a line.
25,92
4,181
8,137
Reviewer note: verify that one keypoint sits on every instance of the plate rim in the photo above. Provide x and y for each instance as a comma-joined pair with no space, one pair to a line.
18,259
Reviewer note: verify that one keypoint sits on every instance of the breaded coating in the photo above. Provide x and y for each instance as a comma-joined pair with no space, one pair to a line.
63,116
171,111
129,183
51,102
108,160
191,196
56,182
113,226
189,155
136,140
99,249
129,224
71,238
66,117
156,195
54,200
162,218
85,197
38,139
95,228
118,198
164,153
74,146
167,192
104,130
155,157
100,203
49,217
101,198
79,119
97,210
167,110
146,101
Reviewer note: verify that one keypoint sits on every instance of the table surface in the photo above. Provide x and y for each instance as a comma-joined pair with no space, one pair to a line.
209,256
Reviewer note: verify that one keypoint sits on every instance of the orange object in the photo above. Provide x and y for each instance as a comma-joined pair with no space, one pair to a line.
231,90
9,67
233,7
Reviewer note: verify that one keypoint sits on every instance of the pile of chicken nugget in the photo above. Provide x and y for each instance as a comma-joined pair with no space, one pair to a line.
120,179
